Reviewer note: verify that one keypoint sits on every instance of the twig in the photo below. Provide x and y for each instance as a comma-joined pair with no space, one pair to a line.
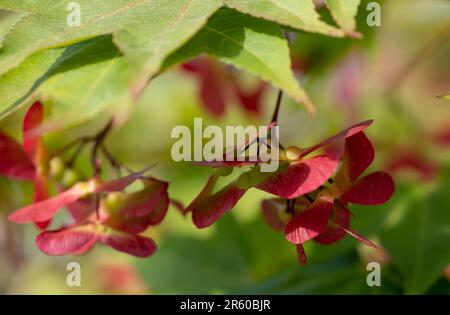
277,107
290,206
97,206
97,143
114,161
82,140
311,200
76,153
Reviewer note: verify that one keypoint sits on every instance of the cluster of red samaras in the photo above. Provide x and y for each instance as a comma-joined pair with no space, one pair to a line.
313,191
313,194
99,211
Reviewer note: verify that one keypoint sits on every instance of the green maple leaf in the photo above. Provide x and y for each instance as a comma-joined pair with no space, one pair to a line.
246,43
300,15
160,28
264,52
75,82
146,30
344,13
7,21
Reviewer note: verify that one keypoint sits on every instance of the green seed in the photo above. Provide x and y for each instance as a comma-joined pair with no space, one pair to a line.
57,167
114,201
70,177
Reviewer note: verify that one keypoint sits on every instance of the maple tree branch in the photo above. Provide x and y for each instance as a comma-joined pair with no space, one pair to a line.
98,140
114,161
277,107
79,141
76,153
290,207
97,143
309,198
97,206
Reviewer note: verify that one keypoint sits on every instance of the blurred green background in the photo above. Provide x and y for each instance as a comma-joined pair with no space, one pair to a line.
393,76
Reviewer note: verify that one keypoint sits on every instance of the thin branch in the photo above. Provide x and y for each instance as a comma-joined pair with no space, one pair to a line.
114,161
277,107
311,200
76,153
97,143
290,207
69,145
97,206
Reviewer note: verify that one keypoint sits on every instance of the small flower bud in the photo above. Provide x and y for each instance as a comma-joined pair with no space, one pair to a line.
57,167
114,201
70,177
292,153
